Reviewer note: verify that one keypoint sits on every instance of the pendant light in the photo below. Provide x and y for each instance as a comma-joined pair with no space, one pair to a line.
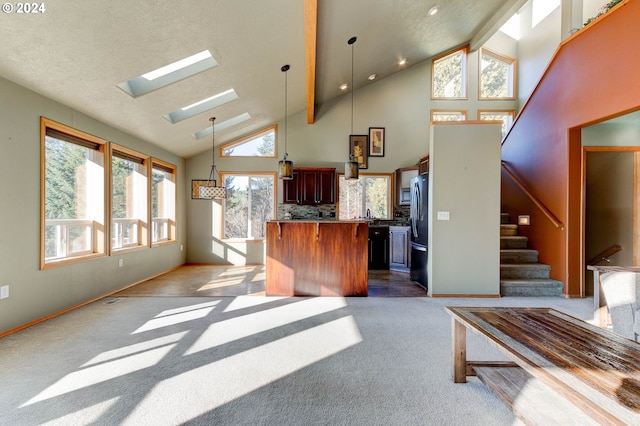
210,191
285,167
351,167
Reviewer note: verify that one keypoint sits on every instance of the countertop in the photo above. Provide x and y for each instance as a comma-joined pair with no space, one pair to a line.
371,223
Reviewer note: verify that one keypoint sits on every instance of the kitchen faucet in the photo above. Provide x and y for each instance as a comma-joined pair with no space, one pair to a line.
368,213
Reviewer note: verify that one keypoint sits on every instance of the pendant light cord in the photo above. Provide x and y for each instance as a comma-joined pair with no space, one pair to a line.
352,42
213,148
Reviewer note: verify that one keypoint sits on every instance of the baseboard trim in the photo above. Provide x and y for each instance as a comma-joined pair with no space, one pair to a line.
79,305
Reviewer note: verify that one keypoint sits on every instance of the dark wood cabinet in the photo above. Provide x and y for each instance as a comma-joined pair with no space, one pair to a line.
403,184
424,165
399,248
310,186
379,247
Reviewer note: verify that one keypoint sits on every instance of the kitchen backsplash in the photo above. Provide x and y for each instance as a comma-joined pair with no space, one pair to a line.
328,212
299,211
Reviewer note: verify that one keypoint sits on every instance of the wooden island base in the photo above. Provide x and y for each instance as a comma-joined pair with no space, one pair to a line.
324,258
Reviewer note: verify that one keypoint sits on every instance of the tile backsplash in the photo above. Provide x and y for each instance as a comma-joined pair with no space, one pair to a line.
298,211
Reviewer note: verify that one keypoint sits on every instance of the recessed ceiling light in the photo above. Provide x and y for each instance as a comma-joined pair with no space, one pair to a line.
182,63
344,86
372,77
402,61
433,10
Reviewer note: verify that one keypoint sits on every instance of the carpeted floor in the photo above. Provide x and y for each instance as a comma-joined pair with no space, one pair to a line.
251,361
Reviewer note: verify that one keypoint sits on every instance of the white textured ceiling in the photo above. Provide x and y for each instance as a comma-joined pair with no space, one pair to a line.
77,51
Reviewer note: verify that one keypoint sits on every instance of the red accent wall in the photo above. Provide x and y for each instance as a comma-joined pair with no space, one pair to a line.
593,76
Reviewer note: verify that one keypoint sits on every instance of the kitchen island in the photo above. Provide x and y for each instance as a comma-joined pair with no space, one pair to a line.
317,258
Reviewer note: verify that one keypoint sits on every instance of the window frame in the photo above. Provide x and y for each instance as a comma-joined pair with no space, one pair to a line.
100,238
390,192
143,231
172,221
223,209
509,112
511,62
465,73
254,135
462,112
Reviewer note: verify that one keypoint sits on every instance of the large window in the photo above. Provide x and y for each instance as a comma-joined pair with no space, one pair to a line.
249,204
506,116
163,202
73,194
129,198
449,75
259,144
371,193
497,75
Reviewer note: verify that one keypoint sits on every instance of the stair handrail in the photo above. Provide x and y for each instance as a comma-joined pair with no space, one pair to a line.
604,255
558,224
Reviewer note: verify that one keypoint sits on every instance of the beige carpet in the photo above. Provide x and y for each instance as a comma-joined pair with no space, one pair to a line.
250,361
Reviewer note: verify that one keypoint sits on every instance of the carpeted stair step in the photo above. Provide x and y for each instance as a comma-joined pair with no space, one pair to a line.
531,287
524,271
513,242
511,256
508,230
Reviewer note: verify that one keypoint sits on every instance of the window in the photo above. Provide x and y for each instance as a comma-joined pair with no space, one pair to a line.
249,204
259,144
163,202
129,204
497,75
449,75
506,116
73,195
448,115
370,192
540,9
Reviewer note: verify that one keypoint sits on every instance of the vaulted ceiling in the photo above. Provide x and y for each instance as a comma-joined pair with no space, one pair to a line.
77,51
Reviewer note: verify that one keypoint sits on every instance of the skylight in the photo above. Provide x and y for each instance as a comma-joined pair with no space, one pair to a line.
540,9
223,125
512,27
168,74
201,106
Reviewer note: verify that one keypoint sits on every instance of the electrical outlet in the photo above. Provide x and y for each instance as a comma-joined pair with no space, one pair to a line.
4,292
443,215
120,263
181,247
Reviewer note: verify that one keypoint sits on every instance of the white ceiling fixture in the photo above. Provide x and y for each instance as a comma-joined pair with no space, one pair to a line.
222,126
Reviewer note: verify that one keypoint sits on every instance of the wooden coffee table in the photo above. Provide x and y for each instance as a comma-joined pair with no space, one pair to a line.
591,368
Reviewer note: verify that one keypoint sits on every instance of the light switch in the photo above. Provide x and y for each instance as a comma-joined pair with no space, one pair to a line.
443,215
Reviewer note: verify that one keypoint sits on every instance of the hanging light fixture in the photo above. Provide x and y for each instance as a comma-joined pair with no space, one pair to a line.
210,191
285,167
351,166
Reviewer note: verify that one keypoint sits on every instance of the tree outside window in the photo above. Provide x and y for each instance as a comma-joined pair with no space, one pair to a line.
369,192
449,75
249,205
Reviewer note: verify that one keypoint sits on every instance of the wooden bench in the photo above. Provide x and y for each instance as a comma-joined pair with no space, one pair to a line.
562,370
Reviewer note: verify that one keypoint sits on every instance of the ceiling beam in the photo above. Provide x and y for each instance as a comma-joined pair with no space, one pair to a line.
310,36
506,11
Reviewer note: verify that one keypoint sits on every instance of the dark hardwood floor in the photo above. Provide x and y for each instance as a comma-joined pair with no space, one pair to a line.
222,280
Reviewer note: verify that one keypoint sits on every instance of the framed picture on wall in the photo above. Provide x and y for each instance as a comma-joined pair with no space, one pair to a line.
376,141
359,148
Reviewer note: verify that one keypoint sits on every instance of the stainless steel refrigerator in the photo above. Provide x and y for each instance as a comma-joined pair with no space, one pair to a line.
419,221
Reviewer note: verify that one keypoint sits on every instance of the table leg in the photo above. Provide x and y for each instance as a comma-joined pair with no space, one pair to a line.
459,343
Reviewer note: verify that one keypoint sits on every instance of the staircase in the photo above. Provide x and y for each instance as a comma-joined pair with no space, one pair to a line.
520,272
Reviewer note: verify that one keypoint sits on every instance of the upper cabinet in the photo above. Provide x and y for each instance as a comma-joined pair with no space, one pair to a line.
403,184
310,186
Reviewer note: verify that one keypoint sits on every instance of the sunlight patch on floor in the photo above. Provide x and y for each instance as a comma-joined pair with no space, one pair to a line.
86,416
135,348
237,328
90,376
220,382
177,316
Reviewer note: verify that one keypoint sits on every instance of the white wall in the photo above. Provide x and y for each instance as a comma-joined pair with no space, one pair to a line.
33,293
464,181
